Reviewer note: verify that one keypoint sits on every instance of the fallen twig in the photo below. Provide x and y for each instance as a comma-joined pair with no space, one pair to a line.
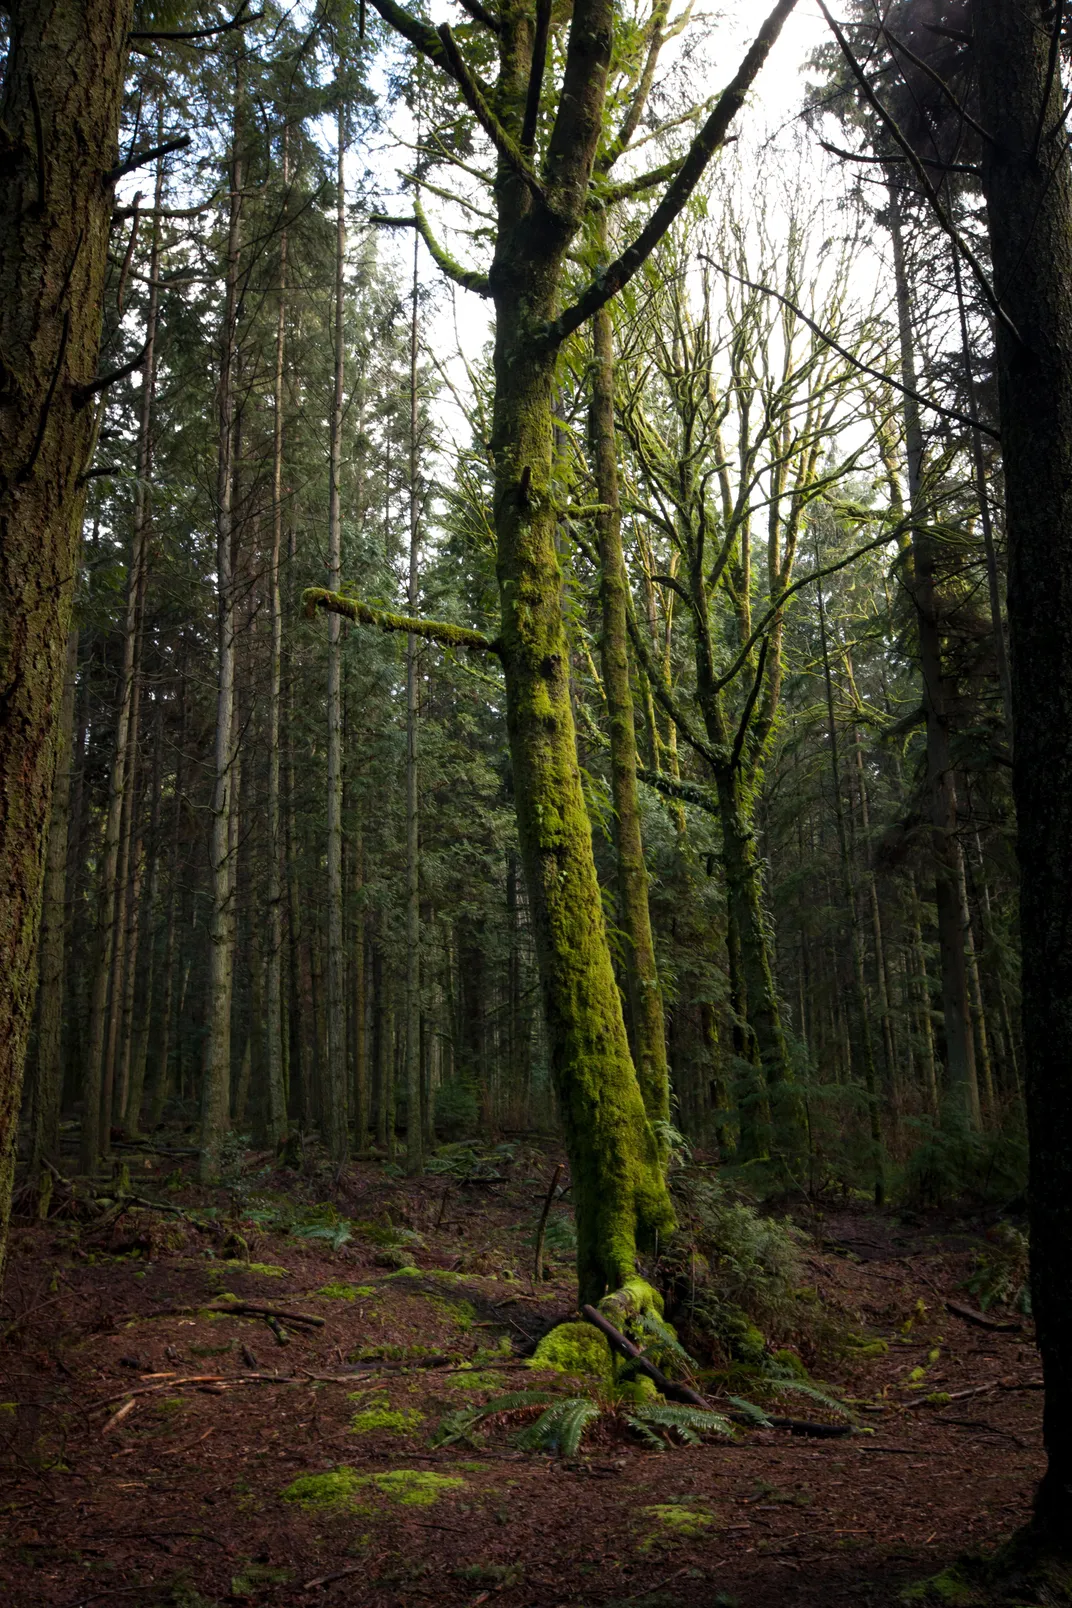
980,1319
117,1418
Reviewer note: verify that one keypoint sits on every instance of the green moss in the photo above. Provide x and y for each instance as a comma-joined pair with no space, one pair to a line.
400,1261
332,1489
632,1298
938,1398
339,1486
345,1292
947,1587
576,1348
411,1486
678,1522
792,1363
384,1418
255,1576
862,1346
476,1379
264,1270
637,1391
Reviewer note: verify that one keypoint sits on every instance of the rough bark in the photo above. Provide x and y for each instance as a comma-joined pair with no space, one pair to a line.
333,1093
1028,189
48,1067
59,118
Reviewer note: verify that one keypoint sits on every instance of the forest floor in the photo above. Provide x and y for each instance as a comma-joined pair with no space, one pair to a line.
148,1443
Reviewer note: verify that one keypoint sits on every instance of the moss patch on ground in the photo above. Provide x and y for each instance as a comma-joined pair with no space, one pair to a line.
676,1522
338,1487
345,1292
385,1419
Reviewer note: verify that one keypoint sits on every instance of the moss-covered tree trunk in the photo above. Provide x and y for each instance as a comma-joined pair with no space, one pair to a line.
1028,187
642,978
618,1188
59,117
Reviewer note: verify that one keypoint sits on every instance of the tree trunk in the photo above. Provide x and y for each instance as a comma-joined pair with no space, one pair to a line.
59,116
642,979
276,1116
333,1090
414,1133
960,1097
216,1084
1028,190
48,1071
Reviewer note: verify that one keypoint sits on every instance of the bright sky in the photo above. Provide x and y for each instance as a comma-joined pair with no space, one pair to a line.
460,318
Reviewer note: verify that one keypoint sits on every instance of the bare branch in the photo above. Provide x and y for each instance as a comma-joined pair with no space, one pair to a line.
857,363
922,178
536,72
85,393
141,158
478,14
239,20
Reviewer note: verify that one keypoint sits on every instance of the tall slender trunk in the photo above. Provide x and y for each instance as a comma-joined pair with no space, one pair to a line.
960,1097
333,1091
863,1004
641,973
276,1123
140,1039
48,1068
360,984
216,1079
414,1131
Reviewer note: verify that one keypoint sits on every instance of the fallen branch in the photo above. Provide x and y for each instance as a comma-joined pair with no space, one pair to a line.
980,1319
251,1309
684,1393
537,1262
117,1418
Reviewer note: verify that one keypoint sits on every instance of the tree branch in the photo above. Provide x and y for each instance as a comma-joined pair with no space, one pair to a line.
536,72
750,704
857,363
473,97
922,177
140,158
85,393
441,631
239,20
468,279
478,14
618,274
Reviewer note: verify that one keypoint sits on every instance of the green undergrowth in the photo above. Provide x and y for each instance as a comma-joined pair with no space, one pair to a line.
381,1418
340,1487
345,1292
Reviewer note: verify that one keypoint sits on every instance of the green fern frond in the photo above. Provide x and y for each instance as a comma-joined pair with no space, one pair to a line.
650,1324
754,1414
823,1397
687,1423
560,1429
460,1424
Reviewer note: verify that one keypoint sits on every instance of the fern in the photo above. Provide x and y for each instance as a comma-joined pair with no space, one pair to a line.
823,1397
689,1424
460,1424
560,1428
754,1414
667,1344
337,1234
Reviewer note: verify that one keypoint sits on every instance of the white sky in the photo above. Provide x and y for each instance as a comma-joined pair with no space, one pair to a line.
775,101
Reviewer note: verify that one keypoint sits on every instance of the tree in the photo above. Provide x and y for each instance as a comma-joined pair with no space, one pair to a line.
547,138
59,116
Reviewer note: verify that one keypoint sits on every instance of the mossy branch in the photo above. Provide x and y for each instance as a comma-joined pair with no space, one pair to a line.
441,631
474,98
467,278
611,279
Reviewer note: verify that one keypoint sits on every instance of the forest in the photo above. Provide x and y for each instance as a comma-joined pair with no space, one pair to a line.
536,803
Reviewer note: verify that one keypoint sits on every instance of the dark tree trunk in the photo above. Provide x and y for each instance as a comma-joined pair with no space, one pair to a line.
59,118
1028,188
